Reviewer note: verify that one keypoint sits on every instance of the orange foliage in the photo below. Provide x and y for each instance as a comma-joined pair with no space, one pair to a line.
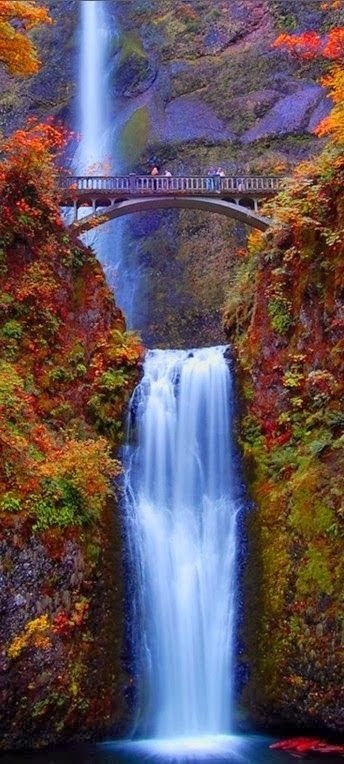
334,5
306,45
67,366
35,144
17,52
88,465
27,177
313,45
34,634
334,124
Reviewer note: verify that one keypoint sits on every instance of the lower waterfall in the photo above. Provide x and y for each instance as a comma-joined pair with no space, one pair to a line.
181,510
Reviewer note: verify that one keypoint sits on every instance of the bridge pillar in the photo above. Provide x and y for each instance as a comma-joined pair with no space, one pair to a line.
75,209
93,205
255,202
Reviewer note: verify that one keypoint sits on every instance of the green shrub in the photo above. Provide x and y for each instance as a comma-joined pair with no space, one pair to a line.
10,503
12,330
59,506
279,309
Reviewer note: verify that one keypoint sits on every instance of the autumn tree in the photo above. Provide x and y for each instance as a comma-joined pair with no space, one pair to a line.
17,52
329,47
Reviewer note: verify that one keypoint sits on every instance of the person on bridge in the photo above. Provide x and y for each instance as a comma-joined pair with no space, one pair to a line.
211,178
219,173
167,183
154,173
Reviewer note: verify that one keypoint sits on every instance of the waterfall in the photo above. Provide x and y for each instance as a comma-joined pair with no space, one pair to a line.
181,519
94,149
181,503
98,151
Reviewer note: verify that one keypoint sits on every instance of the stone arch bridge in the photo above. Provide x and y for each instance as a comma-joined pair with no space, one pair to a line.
109,197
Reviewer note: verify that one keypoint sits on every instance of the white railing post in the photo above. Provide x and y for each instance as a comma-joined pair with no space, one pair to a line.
132,182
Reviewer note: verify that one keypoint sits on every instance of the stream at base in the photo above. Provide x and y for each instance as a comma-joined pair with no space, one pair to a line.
241,749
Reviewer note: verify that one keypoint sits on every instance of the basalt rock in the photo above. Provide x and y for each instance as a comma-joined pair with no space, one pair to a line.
134,76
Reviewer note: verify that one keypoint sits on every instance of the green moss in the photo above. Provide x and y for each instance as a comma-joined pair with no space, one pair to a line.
10,503
240,299
10,383
309,516
135,134
130,45
315,576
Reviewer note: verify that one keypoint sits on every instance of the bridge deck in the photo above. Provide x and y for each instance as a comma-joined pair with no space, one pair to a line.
82,188
236,197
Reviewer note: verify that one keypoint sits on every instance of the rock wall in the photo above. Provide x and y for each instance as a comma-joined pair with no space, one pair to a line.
214,77
67,368
202,87
51,92
285,319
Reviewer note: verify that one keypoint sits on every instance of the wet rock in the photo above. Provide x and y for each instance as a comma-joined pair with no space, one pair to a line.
319,113
217,39
134,76
188,118
19,600
290,114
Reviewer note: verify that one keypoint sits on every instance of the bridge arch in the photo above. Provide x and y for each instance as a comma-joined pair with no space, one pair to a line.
220,206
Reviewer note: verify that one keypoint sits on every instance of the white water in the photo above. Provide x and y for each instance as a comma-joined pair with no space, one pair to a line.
94,150
98,150
181,524
181,509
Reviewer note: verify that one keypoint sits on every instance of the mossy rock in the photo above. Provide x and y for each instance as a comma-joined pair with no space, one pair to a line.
135,134
135,73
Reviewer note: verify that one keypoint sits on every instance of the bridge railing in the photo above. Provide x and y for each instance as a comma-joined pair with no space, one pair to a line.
94,182
137,184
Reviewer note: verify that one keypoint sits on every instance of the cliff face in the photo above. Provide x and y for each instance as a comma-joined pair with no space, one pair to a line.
207,72
285,318
199,86
67,367
51,91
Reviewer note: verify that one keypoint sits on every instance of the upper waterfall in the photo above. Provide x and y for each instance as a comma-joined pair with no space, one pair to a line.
98,152
93,149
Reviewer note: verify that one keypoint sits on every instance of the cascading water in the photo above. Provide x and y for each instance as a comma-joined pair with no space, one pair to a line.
98,151
181,526
94,147
181,499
